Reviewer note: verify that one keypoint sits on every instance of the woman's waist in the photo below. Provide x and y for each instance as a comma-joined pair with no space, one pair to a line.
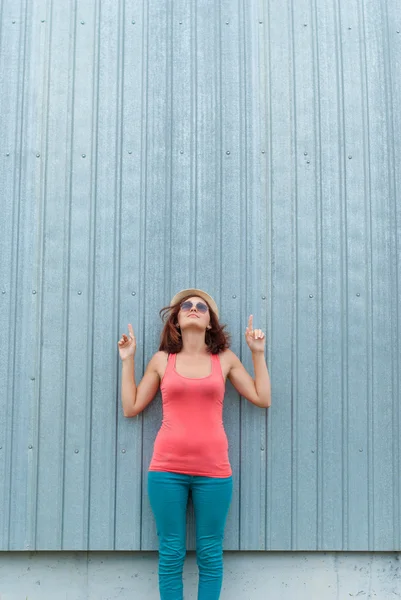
193,436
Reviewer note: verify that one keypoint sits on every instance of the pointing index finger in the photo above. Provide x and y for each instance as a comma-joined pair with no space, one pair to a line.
250,322
130,329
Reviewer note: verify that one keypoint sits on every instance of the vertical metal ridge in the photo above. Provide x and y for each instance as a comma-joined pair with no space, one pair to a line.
252,72
219,147
68,195
194,133
259,127
242,124
244,226
1,22
64,303
250,189
194,21
218,169
169,147
243,307
9,462
344,261
117,231
319,277
94,172
143,207
394,274
267,96
294,349
57,540
172,149
41,240
12,310
39,310
369,285
91,288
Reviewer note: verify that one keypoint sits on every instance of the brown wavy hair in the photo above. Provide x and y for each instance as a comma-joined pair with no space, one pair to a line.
216,338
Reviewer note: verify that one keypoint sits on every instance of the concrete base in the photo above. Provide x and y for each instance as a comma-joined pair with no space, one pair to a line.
247,576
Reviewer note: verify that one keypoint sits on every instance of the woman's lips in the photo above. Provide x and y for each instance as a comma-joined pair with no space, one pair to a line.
193,315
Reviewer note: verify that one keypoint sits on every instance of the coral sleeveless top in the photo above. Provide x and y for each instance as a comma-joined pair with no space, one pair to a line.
192,439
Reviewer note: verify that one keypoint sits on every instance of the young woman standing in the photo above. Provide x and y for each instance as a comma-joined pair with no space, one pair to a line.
191,448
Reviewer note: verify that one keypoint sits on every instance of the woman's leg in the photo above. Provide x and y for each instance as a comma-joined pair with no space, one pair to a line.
168,496
211,498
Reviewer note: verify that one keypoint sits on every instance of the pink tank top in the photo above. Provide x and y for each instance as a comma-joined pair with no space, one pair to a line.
192,439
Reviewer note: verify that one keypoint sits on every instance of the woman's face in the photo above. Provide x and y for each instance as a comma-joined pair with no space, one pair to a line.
191,316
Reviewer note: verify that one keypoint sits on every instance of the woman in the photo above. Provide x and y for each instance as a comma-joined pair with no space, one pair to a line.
191,450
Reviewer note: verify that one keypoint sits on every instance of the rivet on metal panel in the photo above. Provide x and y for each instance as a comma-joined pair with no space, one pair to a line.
13,22
263,151
79,293
3,292
228,152
305,154
32,378
358,294
180,22
133,22
234,296
398,31
349,28
37,155
308,162
133,293
349,156
181,151
129,151
30,446
82,22
260,22
33,291
227,22
42,21
310,295
123,450
7,154
1,447
263,297
262,448
313,452
76,451
360,449
305,24
83,155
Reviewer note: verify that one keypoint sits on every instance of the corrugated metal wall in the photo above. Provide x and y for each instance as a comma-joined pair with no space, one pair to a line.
331,80
247,148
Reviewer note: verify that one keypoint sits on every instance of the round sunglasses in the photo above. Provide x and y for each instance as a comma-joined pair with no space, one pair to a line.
200,306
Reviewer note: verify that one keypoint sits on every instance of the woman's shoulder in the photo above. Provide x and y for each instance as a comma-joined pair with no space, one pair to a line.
227,356
158,362
227,352
160,356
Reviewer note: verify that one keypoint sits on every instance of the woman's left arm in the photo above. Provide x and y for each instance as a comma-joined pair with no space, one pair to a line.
258,390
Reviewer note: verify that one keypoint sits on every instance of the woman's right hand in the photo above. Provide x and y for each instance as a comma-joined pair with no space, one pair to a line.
127,344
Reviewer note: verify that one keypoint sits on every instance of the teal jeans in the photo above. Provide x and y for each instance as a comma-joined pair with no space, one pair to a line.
211,497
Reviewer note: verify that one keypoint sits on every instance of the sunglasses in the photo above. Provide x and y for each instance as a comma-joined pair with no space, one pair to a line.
187,305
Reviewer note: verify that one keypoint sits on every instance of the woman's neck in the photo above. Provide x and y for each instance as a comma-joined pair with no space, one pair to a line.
193,343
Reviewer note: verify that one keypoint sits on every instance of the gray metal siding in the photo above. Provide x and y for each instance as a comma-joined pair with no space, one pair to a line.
247,148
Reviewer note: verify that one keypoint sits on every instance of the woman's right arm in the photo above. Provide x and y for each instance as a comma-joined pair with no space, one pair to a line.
135,399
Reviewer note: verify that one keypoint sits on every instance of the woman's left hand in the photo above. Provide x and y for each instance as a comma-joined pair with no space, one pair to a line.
255,338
